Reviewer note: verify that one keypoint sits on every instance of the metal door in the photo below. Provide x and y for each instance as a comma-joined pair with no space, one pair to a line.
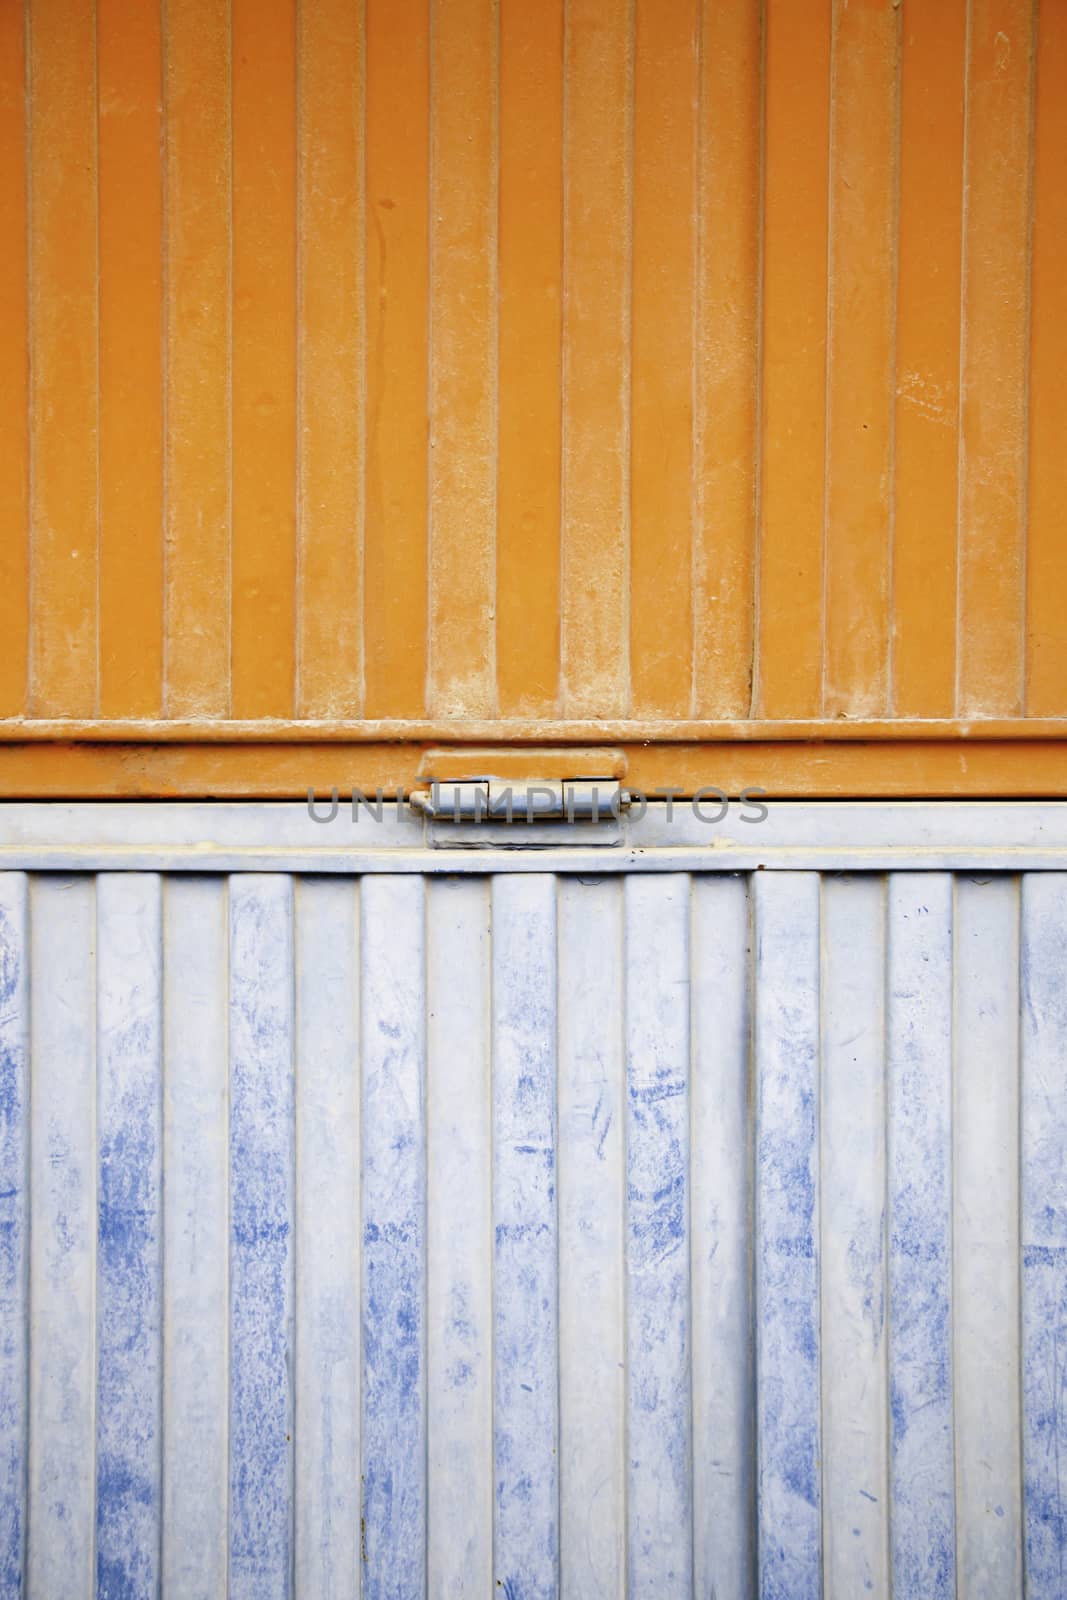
684,1215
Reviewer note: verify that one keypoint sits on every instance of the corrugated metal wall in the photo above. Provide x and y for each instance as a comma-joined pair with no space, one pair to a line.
667,1235
582,358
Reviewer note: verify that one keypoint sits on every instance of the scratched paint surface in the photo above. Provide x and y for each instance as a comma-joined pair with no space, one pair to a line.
919,1045
1044,1230
657,1237
787,1236
261,1235
417,1237
129,1243
14,1221
525,1316
392,1009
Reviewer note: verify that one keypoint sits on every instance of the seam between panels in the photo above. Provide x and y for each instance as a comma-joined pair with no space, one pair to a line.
428,946
164,357
356,1266
557,1142
26,1282
493,665
227,1165
889,690
755,892
299,354
1033,23
423,887
953,1131
689,881
1020,1191
163,881
230,230
750,1198
361,354
755,688
361,1263
696,461
31,475
624,1018
626,387
98,506
294,1229
491,1059
94,1223
429,684
829,320
887,1234
961,388
821,976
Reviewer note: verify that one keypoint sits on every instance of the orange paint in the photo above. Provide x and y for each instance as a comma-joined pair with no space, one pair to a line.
463,76
859,401
263,460
597,183
197,359
996,251
396,372
525,373
789,662
1046,551
726,355
14,357
926,417
331,332
130,76
64,394
661,452
529,333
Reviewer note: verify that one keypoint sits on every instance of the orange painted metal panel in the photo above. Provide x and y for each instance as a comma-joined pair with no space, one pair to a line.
63,339
993,400
263,333
397,167
789,661
529,345
662,432
726,355
330,355
926,416
14,358
859,400
597,323
130,79
463,251
197,349
383,370
1046,550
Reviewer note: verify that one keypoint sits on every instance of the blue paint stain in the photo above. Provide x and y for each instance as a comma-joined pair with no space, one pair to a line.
1042,1255
114,1582
261,1163
10,961
13,1067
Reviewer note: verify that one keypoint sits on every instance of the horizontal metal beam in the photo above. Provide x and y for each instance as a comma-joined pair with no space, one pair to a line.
794,836
523,730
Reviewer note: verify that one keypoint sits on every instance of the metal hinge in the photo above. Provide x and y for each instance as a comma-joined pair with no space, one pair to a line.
494,800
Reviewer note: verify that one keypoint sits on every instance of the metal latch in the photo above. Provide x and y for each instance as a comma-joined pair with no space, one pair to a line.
493,800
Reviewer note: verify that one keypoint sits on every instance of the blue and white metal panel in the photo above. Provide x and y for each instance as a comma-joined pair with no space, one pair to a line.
537,1233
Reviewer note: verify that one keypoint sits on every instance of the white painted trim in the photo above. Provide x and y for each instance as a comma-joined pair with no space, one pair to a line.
253,836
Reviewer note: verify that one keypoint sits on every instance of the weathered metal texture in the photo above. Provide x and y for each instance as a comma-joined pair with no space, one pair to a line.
684,1234
471,361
